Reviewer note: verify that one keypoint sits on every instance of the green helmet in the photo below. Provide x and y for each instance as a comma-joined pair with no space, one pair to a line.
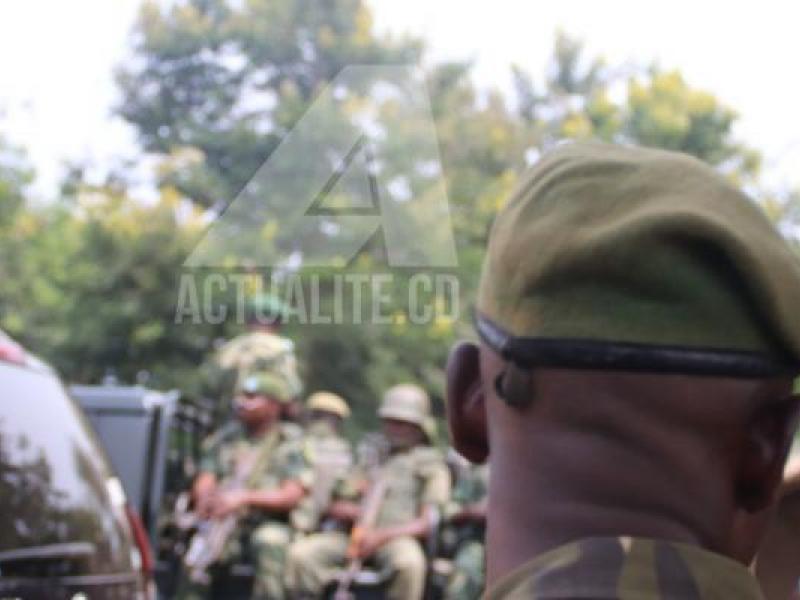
406,402
268,384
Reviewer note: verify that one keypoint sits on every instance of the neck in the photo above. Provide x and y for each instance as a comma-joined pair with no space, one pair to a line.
543,500
258,429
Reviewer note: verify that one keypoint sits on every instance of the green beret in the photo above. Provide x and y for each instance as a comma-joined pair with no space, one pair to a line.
617,257
266,307
268,384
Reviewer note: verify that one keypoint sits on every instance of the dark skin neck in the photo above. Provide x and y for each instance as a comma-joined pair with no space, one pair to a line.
585,454
539,501
259,428
600,454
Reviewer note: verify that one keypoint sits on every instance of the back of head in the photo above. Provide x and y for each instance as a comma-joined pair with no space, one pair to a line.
637,314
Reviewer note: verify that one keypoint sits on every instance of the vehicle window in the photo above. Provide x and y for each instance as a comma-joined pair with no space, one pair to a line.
53,479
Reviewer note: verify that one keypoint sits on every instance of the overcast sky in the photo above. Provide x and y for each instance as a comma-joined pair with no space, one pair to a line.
56,62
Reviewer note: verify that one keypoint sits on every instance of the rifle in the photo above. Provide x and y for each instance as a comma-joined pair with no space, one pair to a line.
211,536
370,507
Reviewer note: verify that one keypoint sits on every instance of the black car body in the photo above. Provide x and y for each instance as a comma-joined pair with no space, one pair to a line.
66,530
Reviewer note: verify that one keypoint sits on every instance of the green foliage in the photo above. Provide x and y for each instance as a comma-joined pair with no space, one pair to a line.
584,98
91,284
91,281
15,176
221,85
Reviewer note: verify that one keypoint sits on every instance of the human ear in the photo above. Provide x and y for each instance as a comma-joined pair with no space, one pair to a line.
768,438
466,404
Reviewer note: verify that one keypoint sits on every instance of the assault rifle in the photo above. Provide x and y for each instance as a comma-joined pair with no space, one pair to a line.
211,535
370,508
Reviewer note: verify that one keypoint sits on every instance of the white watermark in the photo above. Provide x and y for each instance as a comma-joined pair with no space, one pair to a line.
358,175
336,299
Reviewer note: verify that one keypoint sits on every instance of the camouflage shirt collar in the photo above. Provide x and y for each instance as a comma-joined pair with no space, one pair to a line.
625,567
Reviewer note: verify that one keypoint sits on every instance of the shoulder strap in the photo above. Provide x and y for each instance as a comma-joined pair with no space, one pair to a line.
262,457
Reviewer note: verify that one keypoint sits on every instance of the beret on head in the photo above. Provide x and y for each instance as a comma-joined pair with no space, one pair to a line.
642,251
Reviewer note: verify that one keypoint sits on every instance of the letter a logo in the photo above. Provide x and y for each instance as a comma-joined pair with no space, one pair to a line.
362,160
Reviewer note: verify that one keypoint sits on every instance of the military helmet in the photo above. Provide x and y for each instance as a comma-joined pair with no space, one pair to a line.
406,402
268,384
330,403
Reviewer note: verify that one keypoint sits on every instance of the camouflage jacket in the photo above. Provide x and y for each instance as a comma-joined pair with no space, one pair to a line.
416,477
330,457
628,568
286,460
470,487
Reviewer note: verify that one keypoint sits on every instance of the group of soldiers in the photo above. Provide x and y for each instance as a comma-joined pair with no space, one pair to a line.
632,393
300,494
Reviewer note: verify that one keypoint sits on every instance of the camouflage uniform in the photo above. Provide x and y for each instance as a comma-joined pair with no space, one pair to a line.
416,477
469,571
261,351
330,457
269,537
627,567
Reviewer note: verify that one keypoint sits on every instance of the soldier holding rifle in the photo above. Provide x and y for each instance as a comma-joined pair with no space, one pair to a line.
252,470
413,483
328,452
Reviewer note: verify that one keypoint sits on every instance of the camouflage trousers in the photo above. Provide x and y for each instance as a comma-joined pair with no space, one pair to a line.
315,561
269,543
469,570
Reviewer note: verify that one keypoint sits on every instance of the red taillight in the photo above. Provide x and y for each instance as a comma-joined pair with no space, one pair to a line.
11,352
142,543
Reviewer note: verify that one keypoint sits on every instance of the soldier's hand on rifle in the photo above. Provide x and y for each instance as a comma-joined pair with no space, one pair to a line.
370,542
204,506
349,512
225,503
203,490
472,513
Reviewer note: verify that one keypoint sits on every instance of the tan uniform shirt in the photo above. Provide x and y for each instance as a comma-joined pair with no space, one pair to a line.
415,478
331,459
628,568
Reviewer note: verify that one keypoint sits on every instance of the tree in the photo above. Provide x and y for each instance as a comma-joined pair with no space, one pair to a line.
15,177
216,86
657,108
91,284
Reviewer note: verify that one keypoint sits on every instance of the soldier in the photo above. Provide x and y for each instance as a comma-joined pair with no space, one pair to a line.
276,484
465,518
417,483
329,453
262,348
633,388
